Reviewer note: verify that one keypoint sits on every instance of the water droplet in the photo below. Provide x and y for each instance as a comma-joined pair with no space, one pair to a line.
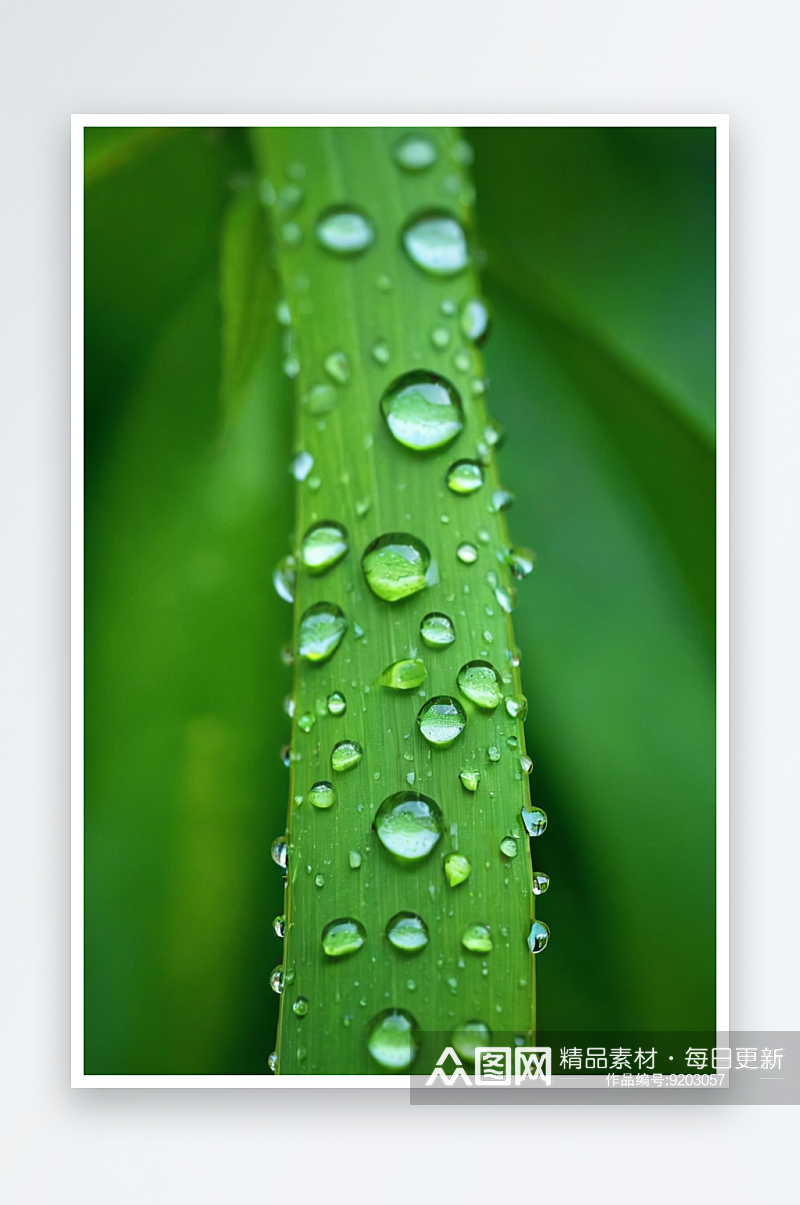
319,880
440,337
457,869
525,762
462,361
467,1037
300,1006
538,937
441,720
296,171
404,675
470,779
354,858
337,704
507,598
283,313
535,821
383,282
380,352
289,198
475,320
423,410
284,578
276,980
502,499
408,932
306,721
508,846
344,230
520,561
541,882
516,706
462,153
314,482
477,938
411,985
337,367
291,234
343,936
272,1062
321,399
324,545
279,851
291,367
321,631
437,630
279,925
395,566
287,655
346,755
363,506
467,553
285,755
322,795
435,241
494,433
288,705
414,152
392,1039
480,682
409,825
493,753
464,477
302,465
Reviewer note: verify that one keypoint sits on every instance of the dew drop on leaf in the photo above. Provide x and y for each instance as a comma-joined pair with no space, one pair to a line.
520,561
480,682
279,852
408,932
337,704
392,1039
467,553
321,631
322,795
324,545
409,825
477,938
535,821
508,846
343,936
300,1006
302,465
538,937
284,578
423,410
346,755
279,926
470,779
541,882
404,675
441,720
474,320
467,1037
516,706
344,230
457,869
434,240
395,566
414,152
464,477
337,367
437,630
276,980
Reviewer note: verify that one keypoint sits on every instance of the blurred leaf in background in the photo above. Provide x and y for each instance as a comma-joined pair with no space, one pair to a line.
601,273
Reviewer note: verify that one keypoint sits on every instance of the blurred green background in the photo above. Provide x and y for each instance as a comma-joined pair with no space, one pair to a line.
601,274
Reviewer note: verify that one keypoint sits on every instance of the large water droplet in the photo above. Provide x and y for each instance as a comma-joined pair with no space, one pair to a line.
475,320
279,852
541,882
535,821
437,630
284,578
337,703
538,937
423,410
346,755
337,367
322,630
467,553
414,152
441,720
344,230
279,926
508,846
343,936
395,565
470,779
502,499
481,683
404,675
507,598
520,561
408,932
354,859
465,477
435,241
477,938
392,1039
457,869
517,707
409,825
276,980
272,1062
324,545
322,795
467,1037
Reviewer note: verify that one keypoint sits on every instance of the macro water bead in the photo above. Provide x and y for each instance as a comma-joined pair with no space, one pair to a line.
395,566
409,825
435,241
423,410
344,230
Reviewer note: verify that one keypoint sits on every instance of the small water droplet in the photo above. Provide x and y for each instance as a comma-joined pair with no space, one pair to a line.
283,313
272,1062
337,367
287,655
279,925
343,936
441,720
480,682
288,705
306,721
502,499
435,241
324,545
474,320
440,337
344,230
346,755
467,553
321,399
538,937
520,561
516,706
535,821
470,779
422,410
507,598
354,858
437,630
284,578
300,1006
337,704
319,880
395,566
380,352
541,882
508,846
462,153
276,980
493,753
302,465
464,477
414,152
291,367
393,1040
494,434
322,629
477,938
285,755
291,234
404,675
457,869
409,825
407,932
279,851
465,1039
383,282
363,506
322,795
526,763
461,361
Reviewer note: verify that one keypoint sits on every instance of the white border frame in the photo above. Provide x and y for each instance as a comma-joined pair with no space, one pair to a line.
79,122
